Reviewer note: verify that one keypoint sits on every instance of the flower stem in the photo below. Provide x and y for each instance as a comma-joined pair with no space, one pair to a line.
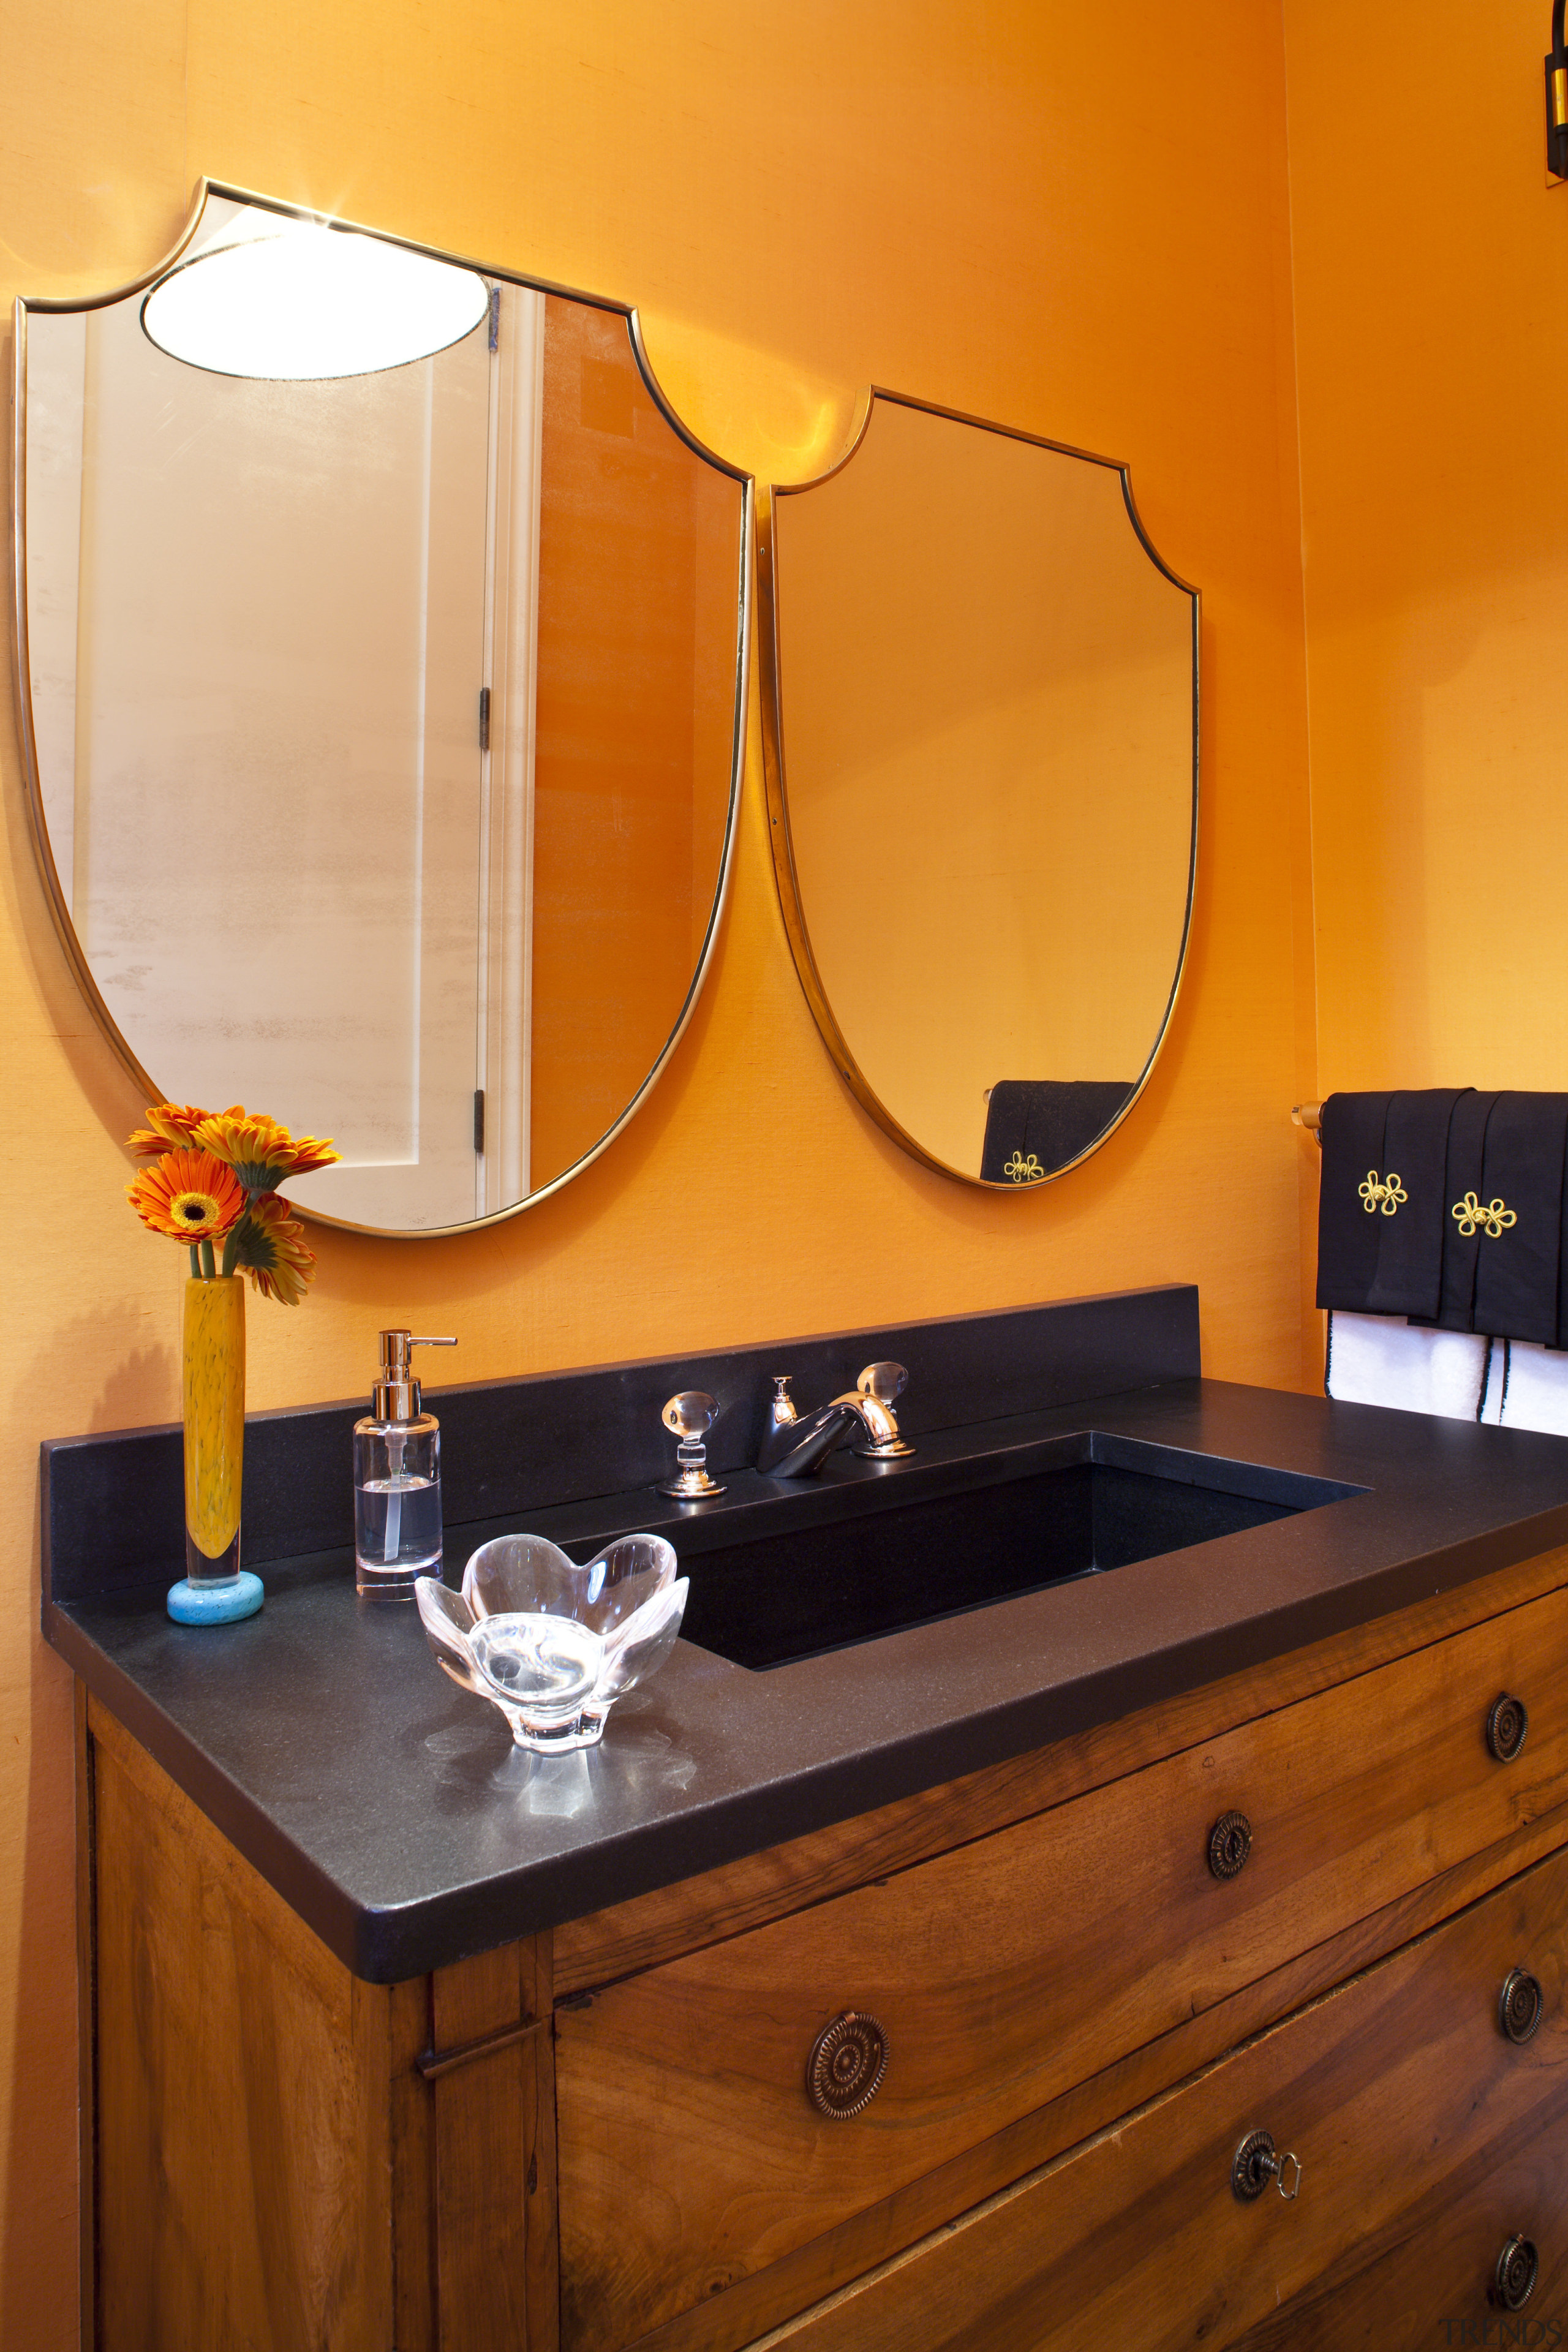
209,1268
231,1246
196,1264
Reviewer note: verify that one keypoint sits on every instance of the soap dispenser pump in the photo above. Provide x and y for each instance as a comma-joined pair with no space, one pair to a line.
397,1479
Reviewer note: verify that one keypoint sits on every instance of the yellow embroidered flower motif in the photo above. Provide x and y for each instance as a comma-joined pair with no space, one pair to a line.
270,1246
1376,1194
262,1154
170,1126
1024,1171
1491,1216
189,1195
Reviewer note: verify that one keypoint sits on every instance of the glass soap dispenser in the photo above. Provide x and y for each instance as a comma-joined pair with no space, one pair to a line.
397,1479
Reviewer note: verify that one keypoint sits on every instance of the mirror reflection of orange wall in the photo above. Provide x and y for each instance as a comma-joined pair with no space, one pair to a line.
635,725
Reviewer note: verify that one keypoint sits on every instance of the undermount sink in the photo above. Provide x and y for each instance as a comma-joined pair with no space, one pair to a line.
868,1556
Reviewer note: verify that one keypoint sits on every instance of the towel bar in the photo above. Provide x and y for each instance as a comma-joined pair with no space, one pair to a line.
1309,1115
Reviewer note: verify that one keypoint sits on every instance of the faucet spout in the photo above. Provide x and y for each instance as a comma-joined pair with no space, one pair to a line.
797,1445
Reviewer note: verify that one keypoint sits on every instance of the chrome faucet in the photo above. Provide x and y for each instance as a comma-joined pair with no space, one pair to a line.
796,1446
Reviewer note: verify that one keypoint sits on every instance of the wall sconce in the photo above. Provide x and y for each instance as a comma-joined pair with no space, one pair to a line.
1557,99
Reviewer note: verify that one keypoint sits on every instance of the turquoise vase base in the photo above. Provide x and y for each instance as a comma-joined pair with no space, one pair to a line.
215,1605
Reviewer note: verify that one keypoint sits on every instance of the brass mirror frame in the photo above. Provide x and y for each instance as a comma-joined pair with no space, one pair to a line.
33,783
791,900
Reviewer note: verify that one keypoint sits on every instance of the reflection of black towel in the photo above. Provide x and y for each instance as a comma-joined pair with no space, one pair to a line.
1517,1211
1035,1126
1409,1275
1351,1129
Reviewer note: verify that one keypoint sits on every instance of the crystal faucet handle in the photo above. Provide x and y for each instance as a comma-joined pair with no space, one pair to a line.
882,1384
692,1413
689,1416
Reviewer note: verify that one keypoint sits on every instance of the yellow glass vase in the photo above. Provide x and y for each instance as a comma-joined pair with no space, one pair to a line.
214,1386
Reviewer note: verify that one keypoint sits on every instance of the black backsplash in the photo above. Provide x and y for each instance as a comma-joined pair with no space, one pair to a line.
113,1504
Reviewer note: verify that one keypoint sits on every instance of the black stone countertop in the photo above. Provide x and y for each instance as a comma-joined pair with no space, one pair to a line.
391,1812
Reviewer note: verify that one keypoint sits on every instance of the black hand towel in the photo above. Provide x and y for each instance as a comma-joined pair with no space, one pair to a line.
1518,1211
1408,1279
1007,1125
1350,1129
1467,1156
1035,1126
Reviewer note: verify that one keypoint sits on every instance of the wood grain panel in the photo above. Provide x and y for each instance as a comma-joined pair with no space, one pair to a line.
495,2172
1388,2090
413,2172
1424,2277
542,2252
729,2320
245,2157
87,2028
653,1927
1014,1967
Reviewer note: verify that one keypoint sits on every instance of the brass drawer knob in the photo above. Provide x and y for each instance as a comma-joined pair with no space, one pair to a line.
1513,2281
848,2062
1520,2005
1230,1843
1506,1726
1257,2162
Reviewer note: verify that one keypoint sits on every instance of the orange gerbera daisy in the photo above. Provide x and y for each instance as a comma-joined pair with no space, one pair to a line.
188,1195
170,1127
261,1154
270,1246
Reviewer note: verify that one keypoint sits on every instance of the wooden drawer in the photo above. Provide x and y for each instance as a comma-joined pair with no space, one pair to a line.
1388,2091
1422,2281
1016,1966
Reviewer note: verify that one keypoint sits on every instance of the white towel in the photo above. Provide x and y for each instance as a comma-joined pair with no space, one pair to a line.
1380,1360
1535,1388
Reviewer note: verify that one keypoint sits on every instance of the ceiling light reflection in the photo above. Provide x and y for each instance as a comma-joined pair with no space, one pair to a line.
308,302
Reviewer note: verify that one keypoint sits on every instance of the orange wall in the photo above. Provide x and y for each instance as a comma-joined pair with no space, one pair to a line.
1432,309
1043,213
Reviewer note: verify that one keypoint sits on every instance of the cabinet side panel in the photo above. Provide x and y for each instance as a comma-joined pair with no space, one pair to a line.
413,2172
494,2080
543,2220
244,2147
86,2030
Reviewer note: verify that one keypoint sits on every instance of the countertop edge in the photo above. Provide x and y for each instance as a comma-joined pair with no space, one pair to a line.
330,1914
391,1945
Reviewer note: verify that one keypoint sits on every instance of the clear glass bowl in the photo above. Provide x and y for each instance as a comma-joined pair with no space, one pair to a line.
552,1645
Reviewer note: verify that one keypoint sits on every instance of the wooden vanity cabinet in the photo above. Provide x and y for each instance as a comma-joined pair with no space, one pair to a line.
601,2139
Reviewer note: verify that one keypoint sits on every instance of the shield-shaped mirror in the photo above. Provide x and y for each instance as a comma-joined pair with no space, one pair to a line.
981,727
382,636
